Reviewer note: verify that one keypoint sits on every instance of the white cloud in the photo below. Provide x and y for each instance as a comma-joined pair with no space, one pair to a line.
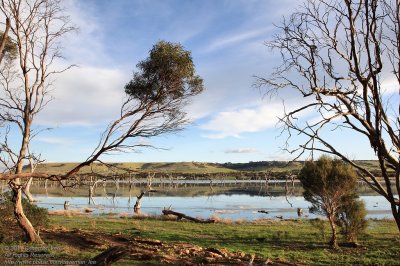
85,96
390,85
92,93
234,123
242,150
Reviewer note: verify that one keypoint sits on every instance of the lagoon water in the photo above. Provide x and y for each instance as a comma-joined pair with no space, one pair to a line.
226,201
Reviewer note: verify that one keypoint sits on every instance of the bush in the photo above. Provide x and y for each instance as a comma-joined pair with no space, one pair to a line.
39,217
351,219
327,182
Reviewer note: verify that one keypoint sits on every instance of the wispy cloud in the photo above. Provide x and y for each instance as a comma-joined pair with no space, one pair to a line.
241,150
56,141
234,39
87,46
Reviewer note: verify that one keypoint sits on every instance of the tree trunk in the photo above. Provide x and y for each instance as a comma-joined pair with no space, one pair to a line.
27,186
333,242
27,191
396,215
92,185
138,205
23,222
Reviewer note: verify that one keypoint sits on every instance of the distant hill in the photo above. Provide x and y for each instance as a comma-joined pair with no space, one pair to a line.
178,167
189,167
275,166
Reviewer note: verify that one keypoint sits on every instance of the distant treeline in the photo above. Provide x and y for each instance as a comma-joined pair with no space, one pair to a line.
243,175
256,166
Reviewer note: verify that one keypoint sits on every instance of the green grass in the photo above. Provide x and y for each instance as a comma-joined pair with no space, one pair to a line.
189,167
178,167
299,241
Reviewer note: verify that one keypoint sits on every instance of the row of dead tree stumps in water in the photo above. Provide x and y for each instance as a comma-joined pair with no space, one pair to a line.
289,190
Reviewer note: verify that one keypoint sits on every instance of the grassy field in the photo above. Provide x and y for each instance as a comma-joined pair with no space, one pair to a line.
189,167
302,242
181,167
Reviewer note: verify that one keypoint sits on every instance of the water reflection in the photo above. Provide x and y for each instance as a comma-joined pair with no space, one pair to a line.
226,200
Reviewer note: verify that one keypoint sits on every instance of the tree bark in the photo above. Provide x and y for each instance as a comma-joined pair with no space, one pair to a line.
27,191
333,242
23,222
27,186
396,214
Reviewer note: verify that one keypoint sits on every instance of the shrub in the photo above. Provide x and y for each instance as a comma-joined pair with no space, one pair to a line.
327,182
351,218
38,216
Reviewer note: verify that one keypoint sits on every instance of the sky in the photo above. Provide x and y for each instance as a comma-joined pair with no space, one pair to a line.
231,121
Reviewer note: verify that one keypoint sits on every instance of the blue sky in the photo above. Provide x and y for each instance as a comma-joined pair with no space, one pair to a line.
231,121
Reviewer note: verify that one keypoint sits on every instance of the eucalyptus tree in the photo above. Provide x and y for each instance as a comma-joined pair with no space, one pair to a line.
155,103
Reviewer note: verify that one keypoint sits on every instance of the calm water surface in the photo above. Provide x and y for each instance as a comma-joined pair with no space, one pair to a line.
227,201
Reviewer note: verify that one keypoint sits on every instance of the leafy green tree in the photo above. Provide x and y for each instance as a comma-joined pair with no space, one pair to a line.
326,183
156,99
167,74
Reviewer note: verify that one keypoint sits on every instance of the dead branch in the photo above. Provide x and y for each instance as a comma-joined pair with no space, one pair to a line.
110,256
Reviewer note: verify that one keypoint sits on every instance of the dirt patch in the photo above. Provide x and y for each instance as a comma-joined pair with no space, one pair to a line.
140,249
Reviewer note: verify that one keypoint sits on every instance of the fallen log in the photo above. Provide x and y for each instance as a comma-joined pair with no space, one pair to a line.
181,216
109,256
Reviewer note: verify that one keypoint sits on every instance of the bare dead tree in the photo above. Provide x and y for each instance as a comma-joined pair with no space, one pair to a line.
35,27
341,57
138,204
92,186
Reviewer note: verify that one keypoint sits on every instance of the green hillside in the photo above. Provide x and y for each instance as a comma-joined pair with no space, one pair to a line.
178,167
188,167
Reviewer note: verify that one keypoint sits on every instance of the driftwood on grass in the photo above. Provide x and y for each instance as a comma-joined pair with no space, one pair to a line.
109,256
184,216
